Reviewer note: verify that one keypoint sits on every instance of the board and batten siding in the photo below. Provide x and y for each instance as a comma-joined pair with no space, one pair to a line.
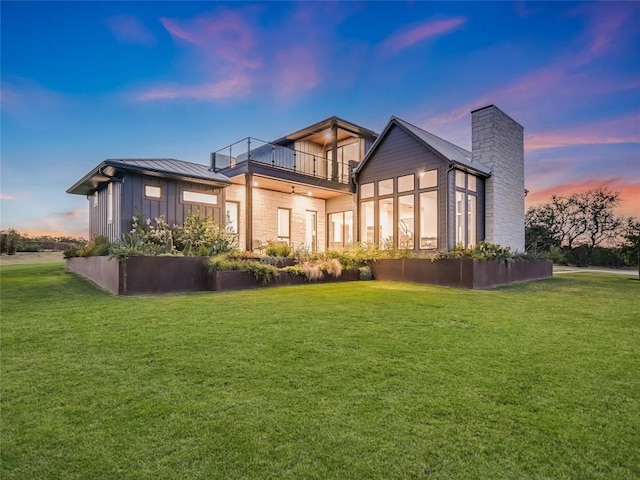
170,204
399,154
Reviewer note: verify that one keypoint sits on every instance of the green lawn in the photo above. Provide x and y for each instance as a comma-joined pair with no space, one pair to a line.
347,381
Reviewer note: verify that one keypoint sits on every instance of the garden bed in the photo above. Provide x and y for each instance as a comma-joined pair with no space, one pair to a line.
144,275
462,272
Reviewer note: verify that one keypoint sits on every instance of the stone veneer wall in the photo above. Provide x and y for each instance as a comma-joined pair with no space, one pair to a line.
265,216
236,193
498,142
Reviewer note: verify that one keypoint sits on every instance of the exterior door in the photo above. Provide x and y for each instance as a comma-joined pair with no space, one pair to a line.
311,231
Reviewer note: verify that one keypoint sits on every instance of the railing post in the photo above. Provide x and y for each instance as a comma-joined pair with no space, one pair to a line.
314,165
273,155
248,149
294,160
230,157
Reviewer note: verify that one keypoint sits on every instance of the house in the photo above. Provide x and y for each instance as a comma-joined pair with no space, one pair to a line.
331,185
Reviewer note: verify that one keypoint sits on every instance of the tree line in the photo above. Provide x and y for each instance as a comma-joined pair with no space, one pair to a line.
12,241
582,229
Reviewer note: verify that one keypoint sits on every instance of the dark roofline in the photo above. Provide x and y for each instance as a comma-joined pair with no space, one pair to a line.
108,168
323,125
393,120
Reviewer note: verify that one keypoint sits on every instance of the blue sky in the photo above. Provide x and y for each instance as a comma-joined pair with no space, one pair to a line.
85,81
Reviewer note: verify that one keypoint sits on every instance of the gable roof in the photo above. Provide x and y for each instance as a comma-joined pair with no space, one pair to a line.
451,152
157,167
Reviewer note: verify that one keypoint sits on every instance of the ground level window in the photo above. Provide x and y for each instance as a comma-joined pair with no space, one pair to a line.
466,219
367,223
406,222
284,224
340,233
385,231
428,220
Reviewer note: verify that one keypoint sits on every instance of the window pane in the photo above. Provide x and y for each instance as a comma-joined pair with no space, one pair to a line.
336,229
406,227
232,216
385,187
429,220
472,183
471,224
406,183
460,218
152,191
385,233
366,223
460,179
429,179
348,228
198,197
283,223
366,190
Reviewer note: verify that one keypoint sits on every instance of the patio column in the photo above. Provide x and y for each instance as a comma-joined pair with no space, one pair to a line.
248,178
334,152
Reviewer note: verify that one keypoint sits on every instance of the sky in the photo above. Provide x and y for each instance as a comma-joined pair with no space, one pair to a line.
86,81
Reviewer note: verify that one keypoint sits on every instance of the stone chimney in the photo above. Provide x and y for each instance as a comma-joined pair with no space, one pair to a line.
498,142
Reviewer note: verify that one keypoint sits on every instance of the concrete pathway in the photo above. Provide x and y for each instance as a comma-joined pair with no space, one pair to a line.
558,269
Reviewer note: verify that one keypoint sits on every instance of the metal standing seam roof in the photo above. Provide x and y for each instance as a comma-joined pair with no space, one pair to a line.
163,167
450,151
169,166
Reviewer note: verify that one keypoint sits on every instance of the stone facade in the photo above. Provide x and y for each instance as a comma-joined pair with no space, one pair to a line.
498,142
265,215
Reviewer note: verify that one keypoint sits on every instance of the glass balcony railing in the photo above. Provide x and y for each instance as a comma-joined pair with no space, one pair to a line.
252,150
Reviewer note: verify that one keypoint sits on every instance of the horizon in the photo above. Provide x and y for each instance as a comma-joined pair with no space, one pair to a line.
82,82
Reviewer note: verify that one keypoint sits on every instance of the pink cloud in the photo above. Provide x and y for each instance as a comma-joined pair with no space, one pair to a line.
609,131
25,98
6,197
629,192
426,30
226,36
236,87
296,71
128,29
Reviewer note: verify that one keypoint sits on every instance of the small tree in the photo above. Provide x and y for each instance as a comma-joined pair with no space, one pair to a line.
631,242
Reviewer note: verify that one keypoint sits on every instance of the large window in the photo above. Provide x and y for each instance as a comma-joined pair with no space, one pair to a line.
406,183
340,229
406,223
428,179
429,220
233,216
385,187
284,224
466,209
367,223
385,232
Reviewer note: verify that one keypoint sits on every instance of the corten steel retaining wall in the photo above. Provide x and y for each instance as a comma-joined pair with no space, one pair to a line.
143,274
140,275
462,272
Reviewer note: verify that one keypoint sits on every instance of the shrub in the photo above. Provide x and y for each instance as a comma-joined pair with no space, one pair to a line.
72,251
481,251
98,246
365,273
278,249
260,271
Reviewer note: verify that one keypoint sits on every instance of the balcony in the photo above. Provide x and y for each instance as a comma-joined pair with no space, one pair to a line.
246,154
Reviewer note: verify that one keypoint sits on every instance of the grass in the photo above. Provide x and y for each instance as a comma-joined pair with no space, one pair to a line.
356,380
